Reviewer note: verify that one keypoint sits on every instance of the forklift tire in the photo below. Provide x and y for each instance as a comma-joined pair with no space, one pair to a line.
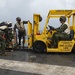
73,50
39,46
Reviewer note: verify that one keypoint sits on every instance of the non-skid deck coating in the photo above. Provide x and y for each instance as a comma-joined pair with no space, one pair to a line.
27,62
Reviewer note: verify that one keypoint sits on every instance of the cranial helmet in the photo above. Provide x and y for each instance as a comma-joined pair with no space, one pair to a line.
62,18
18,19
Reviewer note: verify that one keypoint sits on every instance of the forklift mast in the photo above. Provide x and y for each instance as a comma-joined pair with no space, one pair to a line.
36,20
35,23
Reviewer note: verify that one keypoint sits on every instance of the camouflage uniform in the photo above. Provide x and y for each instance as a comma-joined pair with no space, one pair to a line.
3,44
62,33
21,31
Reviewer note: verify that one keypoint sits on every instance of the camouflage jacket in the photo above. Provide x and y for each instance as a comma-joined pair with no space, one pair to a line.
21,27
63,28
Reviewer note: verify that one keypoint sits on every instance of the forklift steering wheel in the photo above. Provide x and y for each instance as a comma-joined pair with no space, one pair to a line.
51,28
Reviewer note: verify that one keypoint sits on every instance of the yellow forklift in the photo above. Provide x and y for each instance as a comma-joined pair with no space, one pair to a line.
41,42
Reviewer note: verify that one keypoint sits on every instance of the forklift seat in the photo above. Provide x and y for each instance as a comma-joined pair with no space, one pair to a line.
71,35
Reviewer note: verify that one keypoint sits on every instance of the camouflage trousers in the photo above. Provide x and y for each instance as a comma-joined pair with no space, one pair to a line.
20,36
58,37
2,45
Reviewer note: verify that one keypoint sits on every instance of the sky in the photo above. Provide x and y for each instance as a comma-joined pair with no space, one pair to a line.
10,9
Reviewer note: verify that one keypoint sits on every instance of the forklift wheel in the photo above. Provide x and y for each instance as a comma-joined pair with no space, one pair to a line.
39,46
73,50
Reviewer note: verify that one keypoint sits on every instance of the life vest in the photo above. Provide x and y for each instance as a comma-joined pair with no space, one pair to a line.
68,29
20,26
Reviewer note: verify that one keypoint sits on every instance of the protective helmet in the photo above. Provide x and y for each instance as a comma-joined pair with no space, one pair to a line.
62,18
18,19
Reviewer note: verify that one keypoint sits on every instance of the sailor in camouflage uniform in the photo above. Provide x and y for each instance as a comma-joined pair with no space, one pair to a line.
21,29
62,32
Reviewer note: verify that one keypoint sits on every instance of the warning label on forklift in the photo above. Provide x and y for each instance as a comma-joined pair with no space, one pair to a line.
66,46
